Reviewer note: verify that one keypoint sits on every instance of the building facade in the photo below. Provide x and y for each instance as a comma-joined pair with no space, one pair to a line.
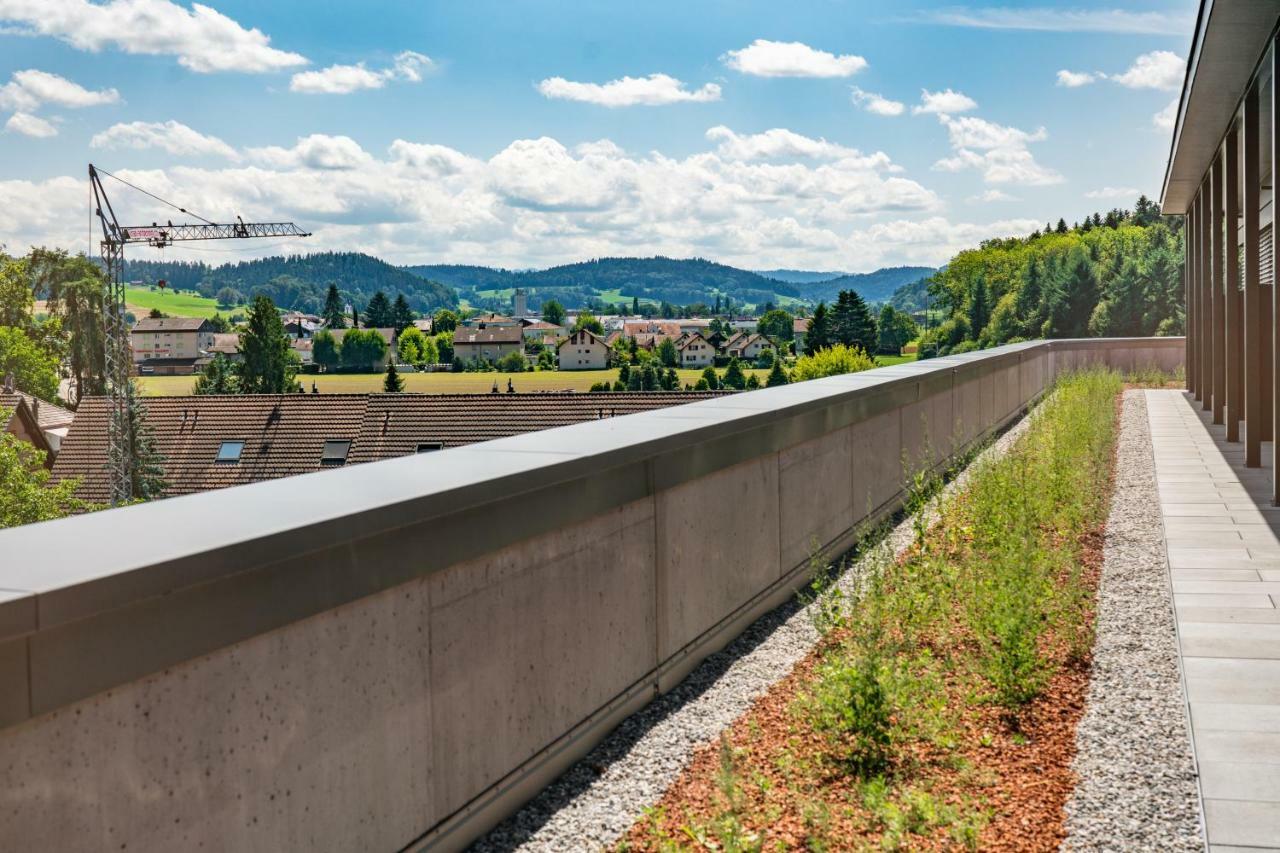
1220,178
171,337
583,350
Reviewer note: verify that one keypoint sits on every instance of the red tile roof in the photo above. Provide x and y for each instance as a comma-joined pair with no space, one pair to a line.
488,335
283,434
170,324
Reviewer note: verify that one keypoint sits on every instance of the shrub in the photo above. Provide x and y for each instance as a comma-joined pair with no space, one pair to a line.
832,361
851,706
512,362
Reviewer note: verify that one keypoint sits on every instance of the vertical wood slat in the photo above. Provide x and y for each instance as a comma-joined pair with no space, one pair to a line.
1191,317
1231,255
1252,292
1207,320
1217,290
1270,331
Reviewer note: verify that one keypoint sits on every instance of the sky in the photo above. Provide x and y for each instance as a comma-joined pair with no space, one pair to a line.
525,133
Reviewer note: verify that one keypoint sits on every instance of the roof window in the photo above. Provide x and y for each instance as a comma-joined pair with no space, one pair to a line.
229,452
429,446
335,451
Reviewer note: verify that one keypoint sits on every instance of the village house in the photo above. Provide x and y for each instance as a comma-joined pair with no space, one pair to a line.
180,338
695,351
747,346
583,350
482,321
799,331
20,416
488,343
226,344
536,330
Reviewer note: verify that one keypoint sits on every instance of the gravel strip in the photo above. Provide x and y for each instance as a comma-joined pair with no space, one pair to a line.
1137,788
597,800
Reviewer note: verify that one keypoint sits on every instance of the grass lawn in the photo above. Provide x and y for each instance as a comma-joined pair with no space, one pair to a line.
890,360
186,304
431,383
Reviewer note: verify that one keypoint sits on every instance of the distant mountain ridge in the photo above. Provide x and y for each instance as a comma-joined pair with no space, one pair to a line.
878,286
800,276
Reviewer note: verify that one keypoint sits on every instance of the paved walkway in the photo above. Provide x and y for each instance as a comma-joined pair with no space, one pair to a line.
1224,558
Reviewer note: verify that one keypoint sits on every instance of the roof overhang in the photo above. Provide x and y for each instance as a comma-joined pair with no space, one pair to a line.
1230,38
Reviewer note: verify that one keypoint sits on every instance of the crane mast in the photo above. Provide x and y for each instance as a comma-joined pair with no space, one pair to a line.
121,435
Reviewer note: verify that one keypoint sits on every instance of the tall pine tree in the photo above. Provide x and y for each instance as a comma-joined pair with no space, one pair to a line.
268,364
334,314
402,315
818,336
378,314
852,323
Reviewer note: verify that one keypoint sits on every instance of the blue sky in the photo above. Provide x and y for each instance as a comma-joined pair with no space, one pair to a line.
819,135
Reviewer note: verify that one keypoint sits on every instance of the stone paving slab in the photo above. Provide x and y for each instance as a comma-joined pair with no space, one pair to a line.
1224,558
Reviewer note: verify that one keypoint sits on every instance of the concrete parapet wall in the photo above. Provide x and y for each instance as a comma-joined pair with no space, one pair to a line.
398,654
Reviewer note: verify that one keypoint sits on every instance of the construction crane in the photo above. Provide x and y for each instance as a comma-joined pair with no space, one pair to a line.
119,358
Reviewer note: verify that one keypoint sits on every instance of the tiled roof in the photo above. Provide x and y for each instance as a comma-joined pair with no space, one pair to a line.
48,415
227,343
669,328
169,324
583,337
800,325
284,434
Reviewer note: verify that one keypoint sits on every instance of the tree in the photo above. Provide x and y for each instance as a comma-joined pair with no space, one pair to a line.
818,336
430,353
512,362
362,349
851,321
392,383
379,314
410,345
355,318
444,321
218,377
334,313
777,324
733,376
635,305
1062,227
324,349
26,496
75,289
34,368
1123,312
553,312
402,315
17,294
444,347
667,353
268,365
979,310
895,328
156,314
777,376
711,378
219,324
587,320
229,297
146,473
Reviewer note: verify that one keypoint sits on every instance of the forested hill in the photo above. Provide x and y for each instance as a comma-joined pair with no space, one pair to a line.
1112,275
800,276
657,279
299,282
876,286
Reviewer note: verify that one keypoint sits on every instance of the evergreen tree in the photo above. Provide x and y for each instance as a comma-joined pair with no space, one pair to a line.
147,470
355,318
334,315
667,353
635,305
268,364
1123,313
392,383
710,377
777,376
379,314
218,377
819,335
1062,226
1027,301
979,310
402,315
851,321
649,378
733,376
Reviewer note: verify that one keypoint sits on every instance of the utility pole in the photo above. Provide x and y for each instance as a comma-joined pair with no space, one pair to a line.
119,355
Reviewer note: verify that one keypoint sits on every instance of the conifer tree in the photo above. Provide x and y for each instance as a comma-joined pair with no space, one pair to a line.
268,364
378,314
392,383
402,315
819,335
777,376
334,315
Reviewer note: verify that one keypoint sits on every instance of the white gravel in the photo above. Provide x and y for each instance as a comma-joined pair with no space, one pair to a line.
598,799
1137,788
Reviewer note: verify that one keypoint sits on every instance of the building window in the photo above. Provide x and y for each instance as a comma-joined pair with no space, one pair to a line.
429,446
335,451
229,452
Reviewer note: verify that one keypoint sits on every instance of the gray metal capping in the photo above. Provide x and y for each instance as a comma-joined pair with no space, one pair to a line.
95,601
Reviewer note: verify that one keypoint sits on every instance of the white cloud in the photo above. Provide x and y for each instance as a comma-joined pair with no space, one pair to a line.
317,151
1167,117
1076,79
27,90
999,152
203,39
993,195
171,136
344,79
764,58
29,125
1114,192
878,104
778,143
1159,69
1064,20
945,102
742,198
651,91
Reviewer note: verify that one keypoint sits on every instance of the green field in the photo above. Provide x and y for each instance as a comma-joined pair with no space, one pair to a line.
185,304
448,383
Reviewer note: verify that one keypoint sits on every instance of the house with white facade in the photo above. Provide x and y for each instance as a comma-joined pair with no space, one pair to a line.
583,350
